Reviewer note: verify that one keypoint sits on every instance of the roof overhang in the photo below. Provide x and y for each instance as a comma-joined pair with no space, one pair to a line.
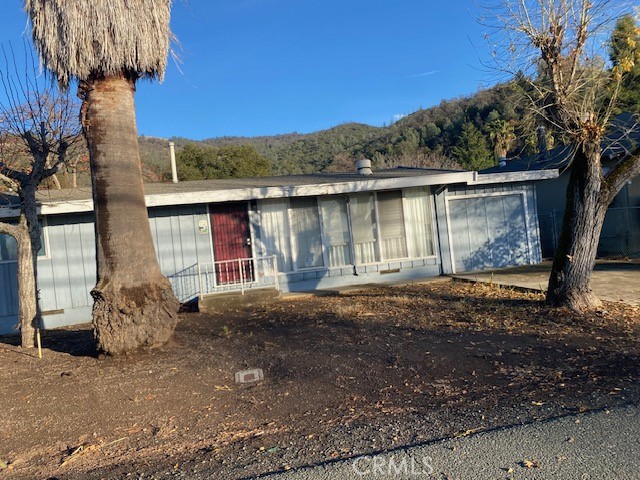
58,207
63,206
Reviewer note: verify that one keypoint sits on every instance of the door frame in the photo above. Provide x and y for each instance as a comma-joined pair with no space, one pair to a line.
250,216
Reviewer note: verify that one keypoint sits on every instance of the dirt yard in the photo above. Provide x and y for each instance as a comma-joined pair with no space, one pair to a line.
346,374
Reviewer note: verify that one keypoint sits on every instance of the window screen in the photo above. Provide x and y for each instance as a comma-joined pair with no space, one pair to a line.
274,232
305,229
419,218
335,225
391,222
364,227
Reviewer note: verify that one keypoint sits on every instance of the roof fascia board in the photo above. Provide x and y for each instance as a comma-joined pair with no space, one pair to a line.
52,207
306,190
510,177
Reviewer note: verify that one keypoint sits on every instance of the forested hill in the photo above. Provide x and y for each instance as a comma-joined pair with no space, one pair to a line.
290,153
459,130
306,153
468,132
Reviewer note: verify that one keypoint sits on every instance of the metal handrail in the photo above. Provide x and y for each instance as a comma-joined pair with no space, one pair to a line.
240,273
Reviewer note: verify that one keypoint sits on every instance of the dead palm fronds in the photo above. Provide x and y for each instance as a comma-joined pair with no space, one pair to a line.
86,38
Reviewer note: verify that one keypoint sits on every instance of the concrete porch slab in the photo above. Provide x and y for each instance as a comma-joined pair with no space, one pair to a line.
213,302
612,280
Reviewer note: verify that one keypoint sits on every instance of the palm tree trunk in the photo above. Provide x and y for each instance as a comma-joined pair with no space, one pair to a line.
134,305
569,283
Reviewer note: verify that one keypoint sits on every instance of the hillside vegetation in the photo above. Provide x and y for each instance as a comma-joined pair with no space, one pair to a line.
455,134
470,132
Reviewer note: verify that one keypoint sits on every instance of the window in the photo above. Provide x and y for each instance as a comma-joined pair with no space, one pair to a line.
363,224
8,249
274,232
9,246
391,221
419,219
335,226
305,229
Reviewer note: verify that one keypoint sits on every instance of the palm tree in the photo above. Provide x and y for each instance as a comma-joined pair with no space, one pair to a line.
107,46
502,135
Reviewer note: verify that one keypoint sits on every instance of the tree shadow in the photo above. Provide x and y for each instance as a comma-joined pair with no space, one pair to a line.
77,342
508,244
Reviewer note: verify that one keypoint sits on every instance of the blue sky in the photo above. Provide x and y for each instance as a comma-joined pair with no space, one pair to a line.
263,67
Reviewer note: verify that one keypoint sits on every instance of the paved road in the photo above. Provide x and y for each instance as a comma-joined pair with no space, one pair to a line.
602,445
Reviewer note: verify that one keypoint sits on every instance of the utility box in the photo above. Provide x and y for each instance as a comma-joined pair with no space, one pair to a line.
250,376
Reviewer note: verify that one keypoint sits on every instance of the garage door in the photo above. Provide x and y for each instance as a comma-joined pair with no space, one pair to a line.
488,232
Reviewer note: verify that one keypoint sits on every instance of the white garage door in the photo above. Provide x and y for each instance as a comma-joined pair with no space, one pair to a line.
488,232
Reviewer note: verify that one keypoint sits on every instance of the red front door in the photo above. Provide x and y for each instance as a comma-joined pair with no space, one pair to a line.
231,241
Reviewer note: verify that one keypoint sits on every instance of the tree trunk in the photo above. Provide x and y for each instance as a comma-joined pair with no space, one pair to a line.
570,280
27,301
56,182
30,215
134,305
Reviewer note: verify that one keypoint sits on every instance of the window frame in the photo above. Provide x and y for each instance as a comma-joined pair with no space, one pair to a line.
432,221
46,255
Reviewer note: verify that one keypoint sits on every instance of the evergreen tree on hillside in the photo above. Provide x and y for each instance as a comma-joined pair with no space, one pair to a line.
624,52
196,162
471,150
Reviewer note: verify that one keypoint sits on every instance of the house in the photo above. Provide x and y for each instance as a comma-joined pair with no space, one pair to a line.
292,233
621,230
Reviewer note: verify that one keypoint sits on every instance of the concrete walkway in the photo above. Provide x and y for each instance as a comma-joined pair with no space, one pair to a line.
602,445
612,280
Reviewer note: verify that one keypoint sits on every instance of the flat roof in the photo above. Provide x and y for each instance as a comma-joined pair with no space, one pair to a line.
54,202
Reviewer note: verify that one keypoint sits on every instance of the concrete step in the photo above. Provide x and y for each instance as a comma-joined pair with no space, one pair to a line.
214,302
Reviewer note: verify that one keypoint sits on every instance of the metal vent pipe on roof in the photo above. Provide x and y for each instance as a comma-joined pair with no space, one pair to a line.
542,141
363,166
174,169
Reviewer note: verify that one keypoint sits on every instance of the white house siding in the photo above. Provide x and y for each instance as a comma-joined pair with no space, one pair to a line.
182,238
351,234
67,272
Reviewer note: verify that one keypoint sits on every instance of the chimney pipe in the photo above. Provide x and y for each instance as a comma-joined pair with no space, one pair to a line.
174,170
542,141
363,166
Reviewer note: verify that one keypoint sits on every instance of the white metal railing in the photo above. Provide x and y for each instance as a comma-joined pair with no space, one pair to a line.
339,255
239,274
365,251
185,283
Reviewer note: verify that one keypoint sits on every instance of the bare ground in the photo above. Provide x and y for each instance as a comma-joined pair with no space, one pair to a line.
347,374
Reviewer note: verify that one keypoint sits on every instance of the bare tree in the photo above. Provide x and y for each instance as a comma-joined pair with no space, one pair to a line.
560,46
38,128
